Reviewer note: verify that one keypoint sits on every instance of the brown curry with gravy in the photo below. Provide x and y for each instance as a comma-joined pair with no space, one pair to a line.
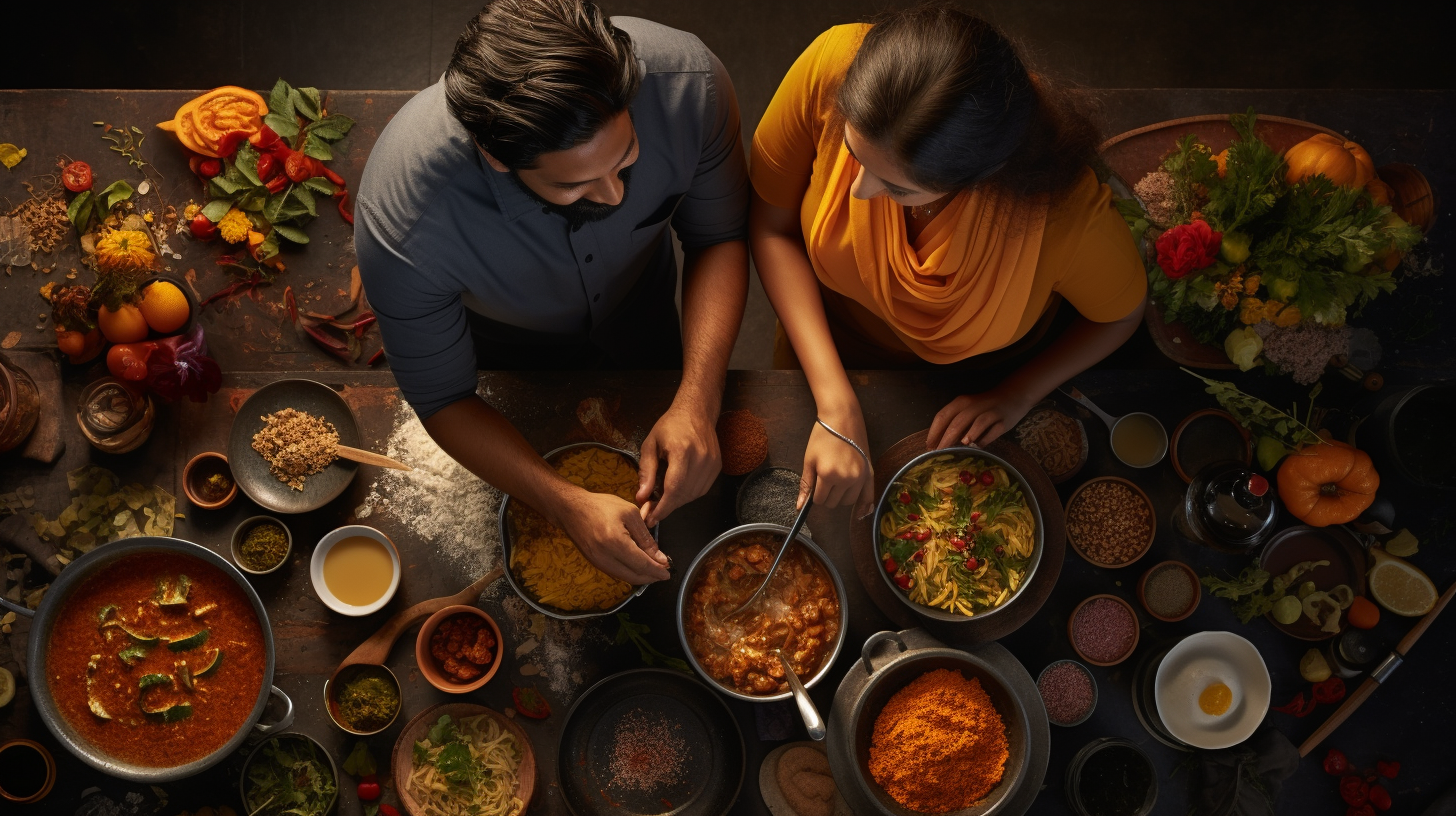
798,613
157,659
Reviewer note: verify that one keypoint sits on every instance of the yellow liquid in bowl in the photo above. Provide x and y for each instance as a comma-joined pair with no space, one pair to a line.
358,570
1139,440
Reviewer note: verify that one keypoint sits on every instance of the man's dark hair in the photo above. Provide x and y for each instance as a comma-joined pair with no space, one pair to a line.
536,76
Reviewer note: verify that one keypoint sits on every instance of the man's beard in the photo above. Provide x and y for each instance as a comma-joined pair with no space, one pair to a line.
582,210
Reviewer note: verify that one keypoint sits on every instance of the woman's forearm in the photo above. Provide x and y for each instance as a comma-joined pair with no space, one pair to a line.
1084,344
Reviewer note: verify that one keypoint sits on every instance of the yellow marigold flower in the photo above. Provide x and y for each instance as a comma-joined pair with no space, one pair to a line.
1287,315
190,211
124,251
234,226
1251,285
1251,311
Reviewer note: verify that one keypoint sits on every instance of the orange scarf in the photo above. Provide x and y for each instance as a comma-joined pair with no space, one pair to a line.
960,290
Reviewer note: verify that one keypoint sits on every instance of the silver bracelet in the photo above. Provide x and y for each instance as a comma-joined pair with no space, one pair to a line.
847,441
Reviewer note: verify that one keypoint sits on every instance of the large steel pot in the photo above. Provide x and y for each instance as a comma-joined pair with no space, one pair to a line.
1040,534
44,619
682,600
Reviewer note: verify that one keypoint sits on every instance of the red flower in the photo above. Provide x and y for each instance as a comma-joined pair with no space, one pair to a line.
1188,248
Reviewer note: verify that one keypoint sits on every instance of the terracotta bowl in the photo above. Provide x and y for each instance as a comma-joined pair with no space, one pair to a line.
1244,452
402,758
200,467
1152,526
1136,631
1188,571
426,661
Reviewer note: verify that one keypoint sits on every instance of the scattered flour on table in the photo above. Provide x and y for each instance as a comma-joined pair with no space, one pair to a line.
440,501
546,649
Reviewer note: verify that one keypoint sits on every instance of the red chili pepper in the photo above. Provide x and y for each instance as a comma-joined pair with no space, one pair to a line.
905,497
890,565
279,150
228,145
908,535
264,138
77,176
346,209
363,323
267,166
324,171
276,184
1329,691
292,302
912,516
368,790
298,167
923,535
1354,790
236,288
1336,764
1298,707
388,810
903,581
1379,797
329,343
918,555
975,515
1363,810
209,168
987,477
530,703
202,228
972,564
967,477
1000,550
376,357
1389,770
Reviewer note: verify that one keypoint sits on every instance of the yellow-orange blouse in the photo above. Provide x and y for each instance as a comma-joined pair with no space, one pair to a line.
978,276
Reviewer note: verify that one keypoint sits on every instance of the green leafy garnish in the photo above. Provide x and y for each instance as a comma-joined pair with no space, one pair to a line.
1259,416
359,762
287,778
457,765
636,633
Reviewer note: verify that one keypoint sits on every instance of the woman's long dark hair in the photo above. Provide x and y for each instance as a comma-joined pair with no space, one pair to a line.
948,94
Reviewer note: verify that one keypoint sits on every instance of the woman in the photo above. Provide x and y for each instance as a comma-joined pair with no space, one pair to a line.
921,200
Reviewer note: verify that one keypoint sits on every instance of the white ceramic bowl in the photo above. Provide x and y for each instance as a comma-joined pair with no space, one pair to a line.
316,569
1195,663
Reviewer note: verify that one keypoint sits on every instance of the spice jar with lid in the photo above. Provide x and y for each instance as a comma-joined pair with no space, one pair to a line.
1228,507
19,404
115,417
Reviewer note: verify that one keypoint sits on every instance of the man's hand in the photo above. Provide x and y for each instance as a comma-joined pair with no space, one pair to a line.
687,438
978,419
612,535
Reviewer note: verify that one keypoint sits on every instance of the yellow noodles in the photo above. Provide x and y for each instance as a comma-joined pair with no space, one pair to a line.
489,780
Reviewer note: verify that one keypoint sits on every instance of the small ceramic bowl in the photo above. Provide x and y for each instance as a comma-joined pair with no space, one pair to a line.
321,587
1192,578
431,669
1152,523
1091,708
241,532
202,467
342,678
46,784
1072,634
1207,436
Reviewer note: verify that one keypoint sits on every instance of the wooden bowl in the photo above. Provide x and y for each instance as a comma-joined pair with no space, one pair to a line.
426,661
402,758
201,467
1187,570
1152,523
1136,630
1244,454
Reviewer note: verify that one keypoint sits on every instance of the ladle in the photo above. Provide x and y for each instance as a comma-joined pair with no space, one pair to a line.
1112,423
783,548
813,723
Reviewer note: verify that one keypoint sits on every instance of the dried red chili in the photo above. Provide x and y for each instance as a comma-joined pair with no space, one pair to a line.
376,357
1389,770
267,166
346,210
1298,706
1329,691
1354,790
1379,797
1336,764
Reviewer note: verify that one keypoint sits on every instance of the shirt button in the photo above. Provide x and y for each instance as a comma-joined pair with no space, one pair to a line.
597,298
588,257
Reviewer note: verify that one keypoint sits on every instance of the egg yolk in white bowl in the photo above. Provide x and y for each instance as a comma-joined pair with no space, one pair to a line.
1215,699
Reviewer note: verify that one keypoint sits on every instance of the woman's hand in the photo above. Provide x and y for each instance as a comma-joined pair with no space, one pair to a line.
978,419
833,470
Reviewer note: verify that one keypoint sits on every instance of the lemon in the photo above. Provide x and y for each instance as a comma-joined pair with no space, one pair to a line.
7,686
1399,586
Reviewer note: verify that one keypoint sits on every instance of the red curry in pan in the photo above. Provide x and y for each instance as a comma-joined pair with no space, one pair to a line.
157,659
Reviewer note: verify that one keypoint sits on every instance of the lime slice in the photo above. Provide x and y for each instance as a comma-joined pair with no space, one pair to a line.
1399,586
7,686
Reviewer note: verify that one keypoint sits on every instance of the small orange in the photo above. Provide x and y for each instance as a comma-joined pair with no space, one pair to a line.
164,307
125,325
1362,613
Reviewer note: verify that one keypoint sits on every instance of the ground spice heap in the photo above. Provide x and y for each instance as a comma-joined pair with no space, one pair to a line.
1169,591
1066,690
296,445
769,497
743,440
263,547
648,753
1110,522
939,744
1104,631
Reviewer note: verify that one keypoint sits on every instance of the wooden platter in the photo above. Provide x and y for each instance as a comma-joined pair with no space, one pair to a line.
970,631
402,759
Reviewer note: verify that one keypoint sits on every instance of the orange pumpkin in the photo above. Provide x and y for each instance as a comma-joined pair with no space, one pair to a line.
1344,163
1326,484
1380,192
201,124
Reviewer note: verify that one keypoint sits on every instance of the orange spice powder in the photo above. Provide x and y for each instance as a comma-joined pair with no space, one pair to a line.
939,744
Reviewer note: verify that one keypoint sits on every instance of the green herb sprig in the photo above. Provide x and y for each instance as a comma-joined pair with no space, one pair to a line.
636,633
1259,416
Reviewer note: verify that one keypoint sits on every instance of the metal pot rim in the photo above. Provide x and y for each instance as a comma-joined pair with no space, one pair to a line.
682,597
76,573
1036,554
505,537
318,746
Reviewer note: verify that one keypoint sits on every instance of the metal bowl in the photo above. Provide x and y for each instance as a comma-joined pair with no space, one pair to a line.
1036,551
701,559
318,749
505,537
250,470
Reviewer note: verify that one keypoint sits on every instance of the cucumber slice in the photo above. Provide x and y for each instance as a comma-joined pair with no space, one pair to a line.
149,680
105,612
210,661
96,707
174,593
133,654
139,637
190,642
181,711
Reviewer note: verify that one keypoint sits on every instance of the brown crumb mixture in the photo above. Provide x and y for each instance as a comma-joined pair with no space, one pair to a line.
296,445
1110,522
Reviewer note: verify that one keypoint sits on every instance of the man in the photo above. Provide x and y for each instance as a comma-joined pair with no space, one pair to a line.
515,215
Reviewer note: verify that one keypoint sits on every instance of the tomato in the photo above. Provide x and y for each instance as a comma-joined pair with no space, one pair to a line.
209,168
298,168
972,564
77,176
987,477
1363,614
912,516
368,790
1379,797
267,166
905,497
903,581
202,228
967,477
1389,770
890,565
530,703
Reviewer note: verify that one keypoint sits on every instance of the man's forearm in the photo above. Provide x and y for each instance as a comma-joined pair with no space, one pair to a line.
488,445
715,285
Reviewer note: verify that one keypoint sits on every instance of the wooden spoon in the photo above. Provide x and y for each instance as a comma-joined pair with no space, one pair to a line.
375,650
368,457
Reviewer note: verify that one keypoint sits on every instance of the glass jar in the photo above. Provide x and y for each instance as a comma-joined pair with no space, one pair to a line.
19,404
115,417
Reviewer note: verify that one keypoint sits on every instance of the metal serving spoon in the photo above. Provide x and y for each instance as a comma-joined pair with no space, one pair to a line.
813,723
783,548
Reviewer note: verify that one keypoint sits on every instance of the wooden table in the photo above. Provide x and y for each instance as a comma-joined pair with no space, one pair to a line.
1411,721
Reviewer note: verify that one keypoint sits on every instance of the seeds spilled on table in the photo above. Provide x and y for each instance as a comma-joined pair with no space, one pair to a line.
648,753
296,445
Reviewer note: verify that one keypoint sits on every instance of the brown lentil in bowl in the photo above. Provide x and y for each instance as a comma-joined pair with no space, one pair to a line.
1110,522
